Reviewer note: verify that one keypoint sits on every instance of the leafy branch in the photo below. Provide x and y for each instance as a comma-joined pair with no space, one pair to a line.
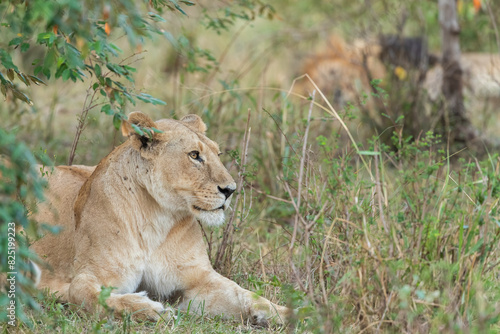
76,36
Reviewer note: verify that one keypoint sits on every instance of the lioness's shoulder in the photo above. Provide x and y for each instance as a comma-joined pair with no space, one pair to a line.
80,171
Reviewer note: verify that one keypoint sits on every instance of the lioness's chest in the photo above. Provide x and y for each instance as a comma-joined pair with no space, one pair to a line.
159,278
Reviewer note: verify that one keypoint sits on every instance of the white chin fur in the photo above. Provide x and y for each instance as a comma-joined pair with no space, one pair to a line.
212,218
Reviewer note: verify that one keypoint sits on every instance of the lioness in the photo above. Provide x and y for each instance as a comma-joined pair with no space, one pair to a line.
131,223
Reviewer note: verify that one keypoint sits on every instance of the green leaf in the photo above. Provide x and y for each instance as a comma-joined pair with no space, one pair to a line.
50,59
149,99
176,5
66,74
54,229
137,129
23,78
368,153
107,109
97,70
130,68
156,17
116,68
46,38
6,60
46,72
16,41
117,121
21,96
36,80
118,97
156,101
25,47
148,132
156,130
104,295
476,247
10,74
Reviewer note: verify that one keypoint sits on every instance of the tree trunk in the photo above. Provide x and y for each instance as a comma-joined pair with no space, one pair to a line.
455,119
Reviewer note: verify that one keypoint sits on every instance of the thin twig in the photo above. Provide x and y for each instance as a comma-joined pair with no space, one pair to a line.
315,219
208,241
321,274
222,251
301,175
270,196
379,193
297,210
385,311
374,323
81,123
281,131
309,277
494,23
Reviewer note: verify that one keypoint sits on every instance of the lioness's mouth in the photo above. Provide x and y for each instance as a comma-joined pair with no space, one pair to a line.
200,209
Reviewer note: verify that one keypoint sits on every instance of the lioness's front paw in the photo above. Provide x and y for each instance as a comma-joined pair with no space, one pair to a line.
273,314
138,305
259,318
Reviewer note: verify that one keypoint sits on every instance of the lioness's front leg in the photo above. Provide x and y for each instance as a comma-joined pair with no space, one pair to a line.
216,295
86,287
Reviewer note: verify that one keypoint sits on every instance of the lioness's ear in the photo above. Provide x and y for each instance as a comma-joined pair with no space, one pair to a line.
194,122
139,119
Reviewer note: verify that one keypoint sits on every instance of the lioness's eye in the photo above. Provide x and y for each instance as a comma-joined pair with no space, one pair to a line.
220,154
194,155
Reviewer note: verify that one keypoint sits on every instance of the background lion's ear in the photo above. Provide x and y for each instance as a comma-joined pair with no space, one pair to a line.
194,122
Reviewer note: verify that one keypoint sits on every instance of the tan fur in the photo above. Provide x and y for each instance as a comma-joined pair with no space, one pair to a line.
130,223
339,71
481,76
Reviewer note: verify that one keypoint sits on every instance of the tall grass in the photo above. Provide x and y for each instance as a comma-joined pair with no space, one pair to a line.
361,237
365,237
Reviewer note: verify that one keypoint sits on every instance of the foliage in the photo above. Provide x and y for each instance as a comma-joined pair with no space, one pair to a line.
409,251
78,40
246,10
20,187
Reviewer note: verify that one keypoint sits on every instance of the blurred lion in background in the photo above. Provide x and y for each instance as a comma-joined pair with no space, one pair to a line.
344,72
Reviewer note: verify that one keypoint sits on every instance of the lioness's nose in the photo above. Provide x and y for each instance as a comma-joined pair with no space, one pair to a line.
227,191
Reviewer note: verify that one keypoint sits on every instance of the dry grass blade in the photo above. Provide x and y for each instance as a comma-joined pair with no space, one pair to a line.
224,251
334,113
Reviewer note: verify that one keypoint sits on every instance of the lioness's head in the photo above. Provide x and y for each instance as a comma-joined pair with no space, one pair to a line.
181,168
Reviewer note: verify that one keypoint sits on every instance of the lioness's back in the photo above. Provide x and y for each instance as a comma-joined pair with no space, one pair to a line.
58,251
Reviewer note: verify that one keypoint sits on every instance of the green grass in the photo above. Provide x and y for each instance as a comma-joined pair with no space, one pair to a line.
56,317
